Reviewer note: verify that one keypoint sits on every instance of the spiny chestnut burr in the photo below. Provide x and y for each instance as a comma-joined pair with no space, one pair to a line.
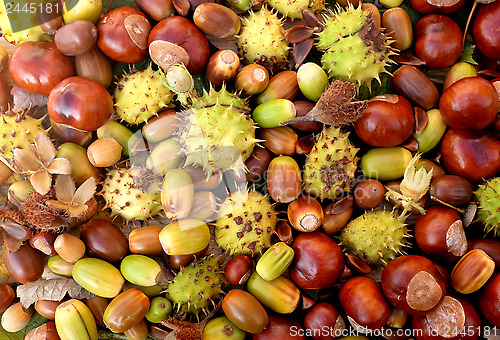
305,213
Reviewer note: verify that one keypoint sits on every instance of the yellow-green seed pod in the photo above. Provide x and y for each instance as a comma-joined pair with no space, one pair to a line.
58,266
184,237
432,133
280,295
140,270
222,329
271,113
98,277
120,133
274,261
385,164
177,194
74,320
312,80
164,157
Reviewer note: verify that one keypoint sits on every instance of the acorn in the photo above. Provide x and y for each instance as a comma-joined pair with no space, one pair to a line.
140,270
184,237
274,261
74,320
98,277
280,295
177,194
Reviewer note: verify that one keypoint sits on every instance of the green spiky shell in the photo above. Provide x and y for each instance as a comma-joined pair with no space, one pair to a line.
376,236
216,138
262,40
354,48
140,95
125,199
330,166
222,97
17,130
292,8
197,285
488,198
246,223
10,22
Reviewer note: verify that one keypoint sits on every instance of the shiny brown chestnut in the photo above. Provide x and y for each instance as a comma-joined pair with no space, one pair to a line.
44,242
37,67
156,9
363,302
489,300
438,41
104,240
238,269
454,318
318,261
472,154
183,33
80,103
257,163
25,264
7,296
46,331
76,37
451,189
123,34
485,29
388,121
412,284
439,233
430,6
368,194
415,86
470,103
281,328
323,316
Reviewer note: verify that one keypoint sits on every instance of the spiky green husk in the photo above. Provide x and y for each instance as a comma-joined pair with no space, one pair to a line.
17,130
488,198
262,40
376,236
20,19
354,48
222,97
140,95
292,8
196,286
246,223
126,199
330,166
216,138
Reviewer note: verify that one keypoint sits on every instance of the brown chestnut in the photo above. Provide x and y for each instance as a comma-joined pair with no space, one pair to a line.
257,163
238,269
412,284
7,296
368,194
80,103
485,29
324,316
123,34
489,300
37,67
318,261
281,328
363,303
440,233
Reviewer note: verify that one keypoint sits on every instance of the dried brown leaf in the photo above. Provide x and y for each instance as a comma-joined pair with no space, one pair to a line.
336,106
52,289
44,149
23,99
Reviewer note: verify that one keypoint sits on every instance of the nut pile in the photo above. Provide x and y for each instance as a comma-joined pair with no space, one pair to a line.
250,169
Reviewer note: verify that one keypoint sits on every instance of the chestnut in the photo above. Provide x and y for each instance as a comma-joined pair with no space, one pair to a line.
238,269
80,103
363,303
123,34
445,6
470,103
440,233
281,328
454,318
257,163
183,33
7,296
104,240
472,154
438,41
412,284
485,30
489,300
388,121
324,316
156,9
368,194
37,67
318,261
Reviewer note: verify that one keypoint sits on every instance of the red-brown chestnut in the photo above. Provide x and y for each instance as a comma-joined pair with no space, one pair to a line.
413,284
489,300
80,103
323,316
318,261
440,233
37,67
